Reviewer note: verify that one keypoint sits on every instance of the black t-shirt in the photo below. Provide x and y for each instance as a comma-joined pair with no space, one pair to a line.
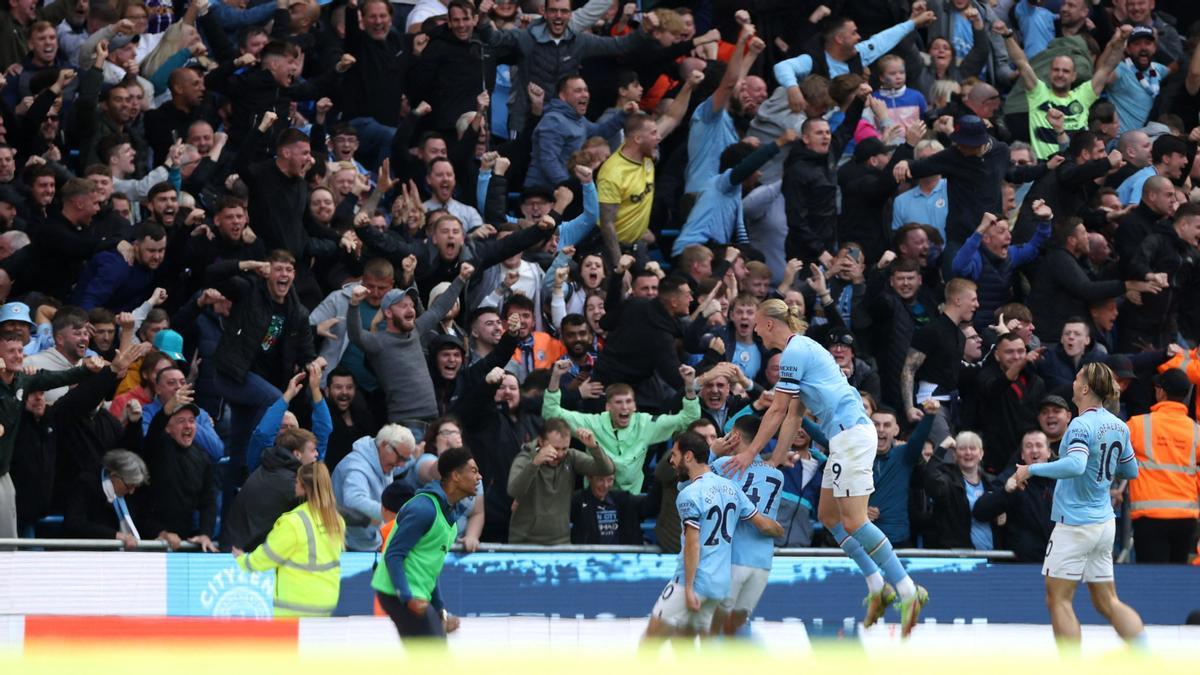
942,343
269,362
607,525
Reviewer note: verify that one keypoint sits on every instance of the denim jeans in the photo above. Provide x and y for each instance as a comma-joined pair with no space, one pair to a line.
247,401
375,141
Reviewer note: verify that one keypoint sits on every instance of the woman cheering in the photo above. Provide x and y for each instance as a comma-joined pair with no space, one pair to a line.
304,548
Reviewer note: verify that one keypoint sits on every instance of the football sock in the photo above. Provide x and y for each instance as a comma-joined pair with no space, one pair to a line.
856,552
879,549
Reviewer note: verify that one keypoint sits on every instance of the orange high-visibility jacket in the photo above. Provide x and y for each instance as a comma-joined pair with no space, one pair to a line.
1165,443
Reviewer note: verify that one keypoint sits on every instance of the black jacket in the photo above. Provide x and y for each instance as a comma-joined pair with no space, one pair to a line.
1011,410
449,74
32,468
277,202
1132,230
1061,289
1155,321
810,192
59,252
241,341
1028,525
374,85
256,91
974,184
269,492
342,439
85,433
495,436
630,508
182,486
642,346
952,514
891,327
866,192
200,253
1066,190
432,270
167,123
87,514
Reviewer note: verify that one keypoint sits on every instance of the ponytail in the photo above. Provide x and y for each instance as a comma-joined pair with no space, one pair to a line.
318,490
779,311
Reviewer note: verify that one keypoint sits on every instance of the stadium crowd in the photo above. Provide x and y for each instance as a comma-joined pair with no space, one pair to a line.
240,237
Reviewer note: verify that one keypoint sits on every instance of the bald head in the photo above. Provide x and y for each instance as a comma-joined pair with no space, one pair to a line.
1135,148
1157,184
1158,194
982,92
983,100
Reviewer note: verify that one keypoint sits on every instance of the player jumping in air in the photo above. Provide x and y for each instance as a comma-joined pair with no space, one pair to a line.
753,551
810,379
1095,451
710,508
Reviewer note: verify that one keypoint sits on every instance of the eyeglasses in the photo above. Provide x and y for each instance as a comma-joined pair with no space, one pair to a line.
399,458
449,432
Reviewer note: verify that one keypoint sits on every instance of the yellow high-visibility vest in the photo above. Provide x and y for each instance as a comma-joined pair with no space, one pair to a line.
306,560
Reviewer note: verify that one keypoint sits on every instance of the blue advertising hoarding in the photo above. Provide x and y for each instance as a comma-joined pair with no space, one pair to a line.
625,585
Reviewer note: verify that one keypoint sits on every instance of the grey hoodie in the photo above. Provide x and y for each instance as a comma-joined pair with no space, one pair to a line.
358,483
773,118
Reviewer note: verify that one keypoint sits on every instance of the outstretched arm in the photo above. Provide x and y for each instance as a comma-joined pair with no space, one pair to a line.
1113,52
1029,78
734,71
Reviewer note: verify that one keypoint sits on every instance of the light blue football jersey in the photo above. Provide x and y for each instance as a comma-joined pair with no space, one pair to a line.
714,505
1104,438
763,484
808,370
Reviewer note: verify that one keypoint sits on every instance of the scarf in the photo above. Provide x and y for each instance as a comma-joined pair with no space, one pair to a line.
1147,78
123,518
526,347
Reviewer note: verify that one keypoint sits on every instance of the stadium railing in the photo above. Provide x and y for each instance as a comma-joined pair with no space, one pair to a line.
155,545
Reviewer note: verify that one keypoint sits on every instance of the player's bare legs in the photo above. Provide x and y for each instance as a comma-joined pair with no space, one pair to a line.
735,620
657,631
719,621
1124,619
1060,593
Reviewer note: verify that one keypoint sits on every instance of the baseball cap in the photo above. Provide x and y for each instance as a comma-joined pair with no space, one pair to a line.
442,341
1121,365
170,343
1174,382
868,148
187,406
436,291
395,295
1054,400
15,311
120,40
1142,33
537,192
970,130
10,196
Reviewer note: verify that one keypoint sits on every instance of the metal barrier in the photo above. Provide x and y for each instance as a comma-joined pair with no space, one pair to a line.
157,545
151,545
